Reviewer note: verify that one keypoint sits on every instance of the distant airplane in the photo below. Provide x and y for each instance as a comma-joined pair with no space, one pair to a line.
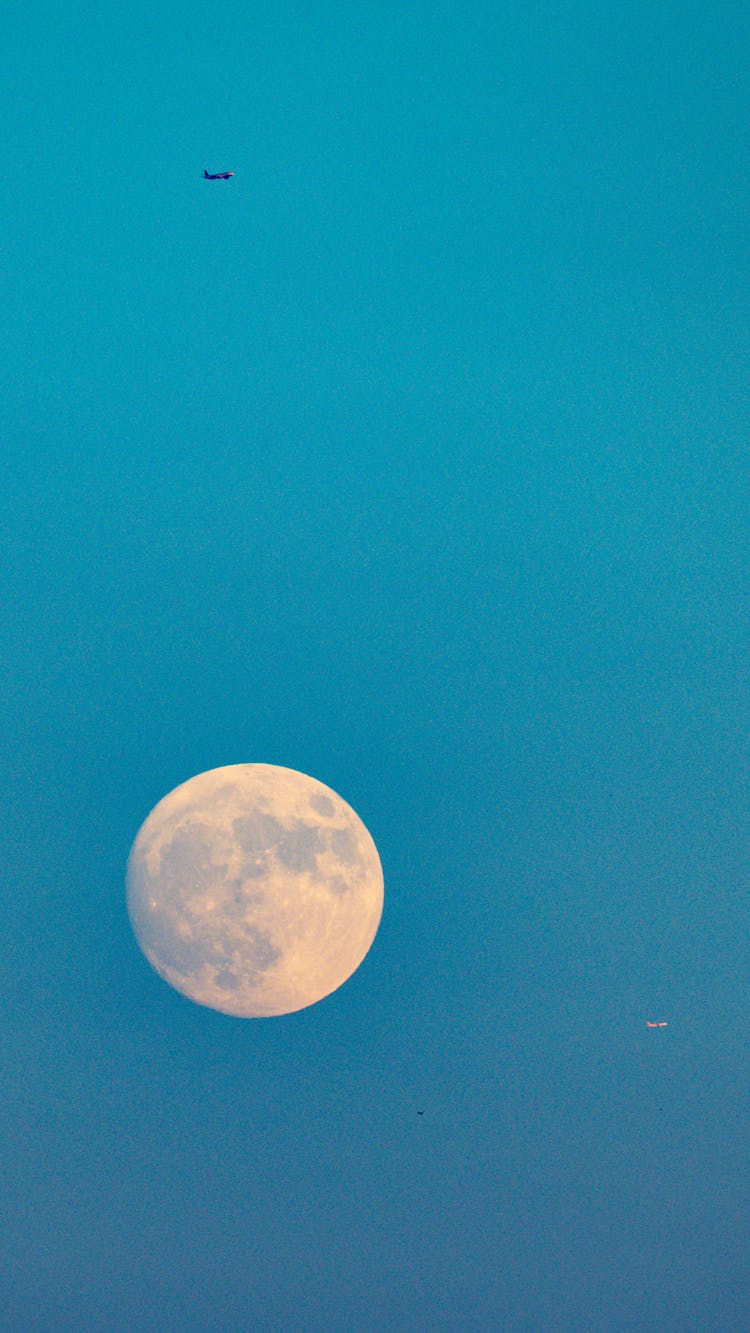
420,1112
655,1025
217,176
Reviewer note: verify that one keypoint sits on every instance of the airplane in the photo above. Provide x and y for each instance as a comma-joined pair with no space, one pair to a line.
656,1025
217,176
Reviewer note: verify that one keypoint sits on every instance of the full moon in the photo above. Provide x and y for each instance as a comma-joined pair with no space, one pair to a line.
254,890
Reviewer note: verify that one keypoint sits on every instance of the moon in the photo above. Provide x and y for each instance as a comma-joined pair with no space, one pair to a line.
254,890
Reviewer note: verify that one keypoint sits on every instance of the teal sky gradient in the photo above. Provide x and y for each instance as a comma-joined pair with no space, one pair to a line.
415,457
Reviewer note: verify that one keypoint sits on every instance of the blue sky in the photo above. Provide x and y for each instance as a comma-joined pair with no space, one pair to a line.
415,458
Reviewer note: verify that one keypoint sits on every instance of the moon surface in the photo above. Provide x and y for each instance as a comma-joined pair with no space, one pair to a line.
254,890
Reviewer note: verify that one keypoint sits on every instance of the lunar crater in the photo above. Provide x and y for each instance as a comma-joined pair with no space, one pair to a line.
322,805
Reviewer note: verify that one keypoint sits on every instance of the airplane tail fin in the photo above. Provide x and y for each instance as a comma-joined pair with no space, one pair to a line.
205,174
